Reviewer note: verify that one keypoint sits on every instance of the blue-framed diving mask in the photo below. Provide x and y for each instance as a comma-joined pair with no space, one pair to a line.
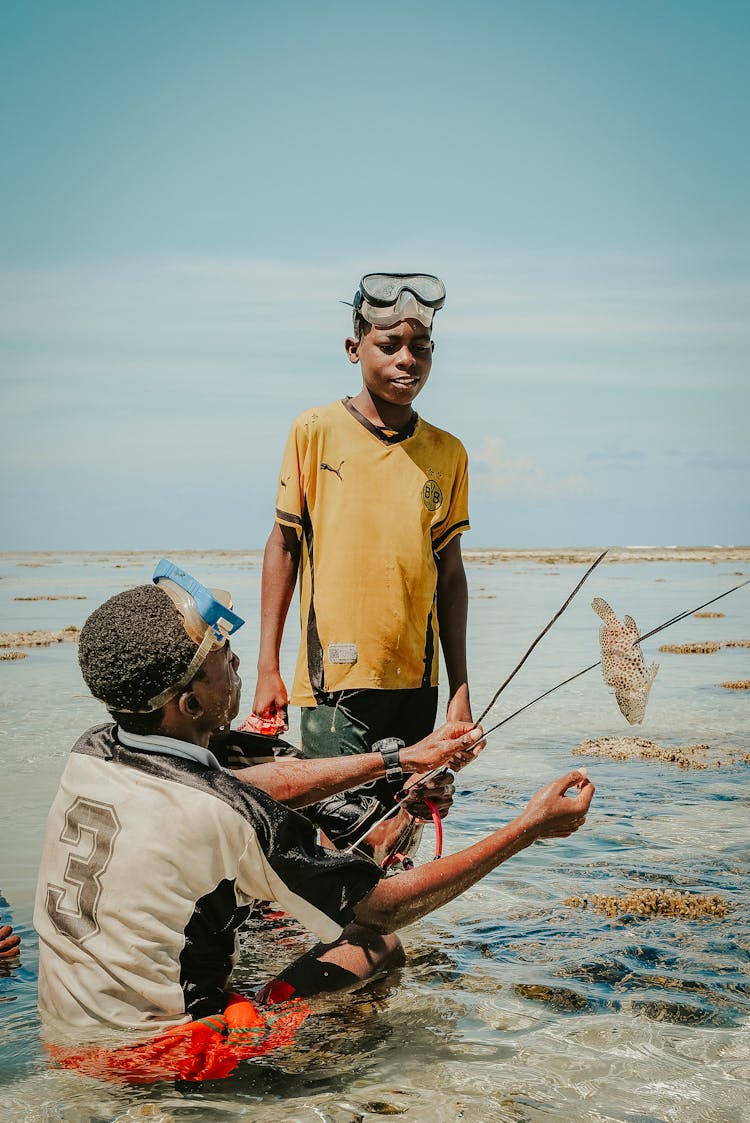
200,608
207,617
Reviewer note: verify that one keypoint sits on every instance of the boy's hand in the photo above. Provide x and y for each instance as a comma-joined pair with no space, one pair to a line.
551,813
439,790
9,944
271,698
454,744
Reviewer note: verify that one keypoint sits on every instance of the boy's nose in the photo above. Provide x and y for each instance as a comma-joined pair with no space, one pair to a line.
405,358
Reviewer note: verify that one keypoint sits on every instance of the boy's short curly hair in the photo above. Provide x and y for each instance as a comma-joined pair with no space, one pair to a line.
132,648
360,326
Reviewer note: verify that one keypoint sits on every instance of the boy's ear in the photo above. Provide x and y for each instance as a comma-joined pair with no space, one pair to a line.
351,346
189,704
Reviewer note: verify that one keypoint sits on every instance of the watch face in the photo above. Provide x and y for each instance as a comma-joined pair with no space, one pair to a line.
389,743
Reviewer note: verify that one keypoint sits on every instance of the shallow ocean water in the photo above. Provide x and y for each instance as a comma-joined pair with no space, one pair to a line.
512,1006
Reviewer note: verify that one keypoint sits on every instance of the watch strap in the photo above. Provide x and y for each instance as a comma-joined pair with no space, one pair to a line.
390,750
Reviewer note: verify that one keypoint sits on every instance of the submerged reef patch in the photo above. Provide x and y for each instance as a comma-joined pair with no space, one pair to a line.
53,596
638,748
707,648
39,638
656,902
704,648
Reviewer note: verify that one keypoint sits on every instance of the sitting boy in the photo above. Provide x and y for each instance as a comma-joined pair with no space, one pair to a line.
154,855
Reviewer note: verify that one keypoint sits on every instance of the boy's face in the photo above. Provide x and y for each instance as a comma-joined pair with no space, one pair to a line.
395,361
218,688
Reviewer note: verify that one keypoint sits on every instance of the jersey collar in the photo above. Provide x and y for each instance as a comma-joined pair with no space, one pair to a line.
387,436
168,746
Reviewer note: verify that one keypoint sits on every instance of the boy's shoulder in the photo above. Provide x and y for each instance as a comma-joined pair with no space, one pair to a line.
434,434
318,415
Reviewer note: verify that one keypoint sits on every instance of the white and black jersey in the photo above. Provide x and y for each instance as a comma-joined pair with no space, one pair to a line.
150,864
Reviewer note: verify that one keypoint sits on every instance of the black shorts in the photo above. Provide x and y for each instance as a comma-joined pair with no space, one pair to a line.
351,721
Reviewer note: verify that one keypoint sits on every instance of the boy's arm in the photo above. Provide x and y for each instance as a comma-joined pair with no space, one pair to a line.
280,565
452,610
400,900
298,783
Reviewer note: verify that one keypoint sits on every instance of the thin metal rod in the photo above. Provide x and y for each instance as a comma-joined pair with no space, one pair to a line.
543,633
540,696
690,611
383,819
438,771
486,733
638,640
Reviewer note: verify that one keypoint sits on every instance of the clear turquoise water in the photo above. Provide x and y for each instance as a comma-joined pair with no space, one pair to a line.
513,1006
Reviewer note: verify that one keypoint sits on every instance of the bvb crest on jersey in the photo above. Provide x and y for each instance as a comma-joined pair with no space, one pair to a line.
432,496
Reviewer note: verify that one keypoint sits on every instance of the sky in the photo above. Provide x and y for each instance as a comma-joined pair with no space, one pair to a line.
189,189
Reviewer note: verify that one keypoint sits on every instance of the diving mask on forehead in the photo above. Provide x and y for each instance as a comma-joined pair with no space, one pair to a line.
203,610
383,299
207,617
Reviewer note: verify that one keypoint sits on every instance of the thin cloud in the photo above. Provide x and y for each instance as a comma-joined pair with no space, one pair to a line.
163,302
496,473
708,460
617,459
663,297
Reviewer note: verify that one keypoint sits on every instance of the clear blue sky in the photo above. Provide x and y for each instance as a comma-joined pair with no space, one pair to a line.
188,188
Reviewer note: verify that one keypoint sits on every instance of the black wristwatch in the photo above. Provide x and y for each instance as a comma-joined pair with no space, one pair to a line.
390,750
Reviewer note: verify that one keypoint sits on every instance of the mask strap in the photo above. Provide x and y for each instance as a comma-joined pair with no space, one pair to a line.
207,643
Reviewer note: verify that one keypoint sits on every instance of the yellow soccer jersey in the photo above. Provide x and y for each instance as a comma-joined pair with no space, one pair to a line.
373,510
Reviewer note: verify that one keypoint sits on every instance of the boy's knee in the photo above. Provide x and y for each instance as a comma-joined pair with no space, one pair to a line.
360,954
384,948
363,953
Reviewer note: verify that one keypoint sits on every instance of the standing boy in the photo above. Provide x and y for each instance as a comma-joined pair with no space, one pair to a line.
371,504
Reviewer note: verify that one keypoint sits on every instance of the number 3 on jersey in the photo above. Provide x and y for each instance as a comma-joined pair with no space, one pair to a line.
90,831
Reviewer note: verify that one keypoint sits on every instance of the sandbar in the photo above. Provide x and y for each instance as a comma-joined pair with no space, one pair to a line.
38,638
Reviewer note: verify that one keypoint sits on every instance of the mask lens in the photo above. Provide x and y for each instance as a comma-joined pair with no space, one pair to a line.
430,290
385,288
407,307
381,288
201,608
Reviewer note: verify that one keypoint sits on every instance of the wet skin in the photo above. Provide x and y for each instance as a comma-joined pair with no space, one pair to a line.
215,691
396,363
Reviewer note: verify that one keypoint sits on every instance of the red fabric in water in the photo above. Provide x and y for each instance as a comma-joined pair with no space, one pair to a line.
208,1049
